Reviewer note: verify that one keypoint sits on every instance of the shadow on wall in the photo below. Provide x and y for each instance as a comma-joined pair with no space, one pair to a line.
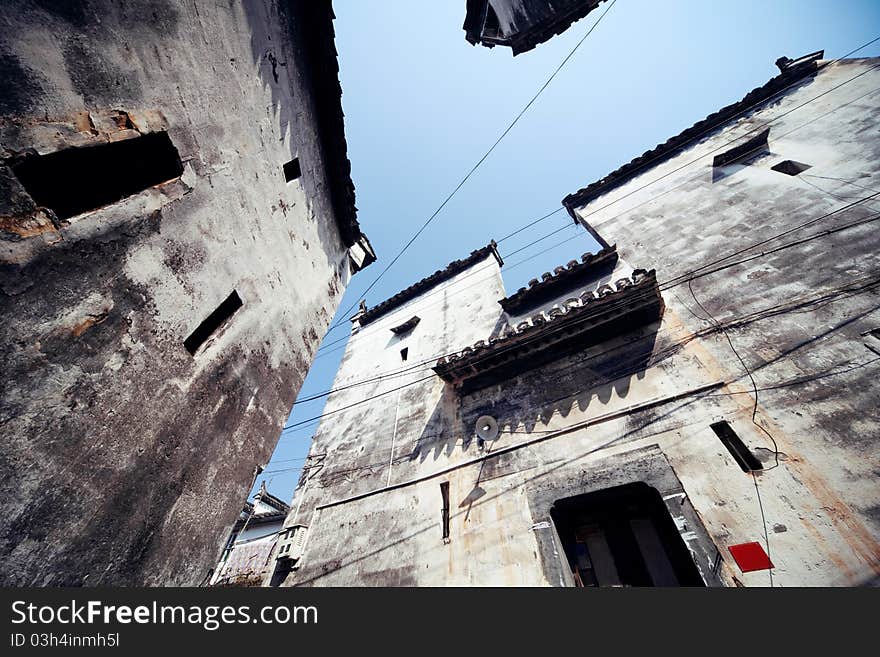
324,566
527,402
271,59
286,65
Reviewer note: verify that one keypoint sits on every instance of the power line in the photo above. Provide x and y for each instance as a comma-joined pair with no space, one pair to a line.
617,303
688,180
676,280
763,254
323,351
716,323
682,278
691,140
673,282
528,225
737,139
584,424
527,246
686,278
773,310
791,383
480,161
531,223
548,235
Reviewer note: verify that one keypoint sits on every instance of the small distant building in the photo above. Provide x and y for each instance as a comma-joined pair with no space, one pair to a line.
521,24
247,557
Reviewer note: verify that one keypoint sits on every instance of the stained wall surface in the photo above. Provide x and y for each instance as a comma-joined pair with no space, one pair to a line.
124,456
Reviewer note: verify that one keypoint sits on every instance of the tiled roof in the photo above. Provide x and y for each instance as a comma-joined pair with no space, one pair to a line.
792,72
426,283
260,518
578,323
562,277
322,57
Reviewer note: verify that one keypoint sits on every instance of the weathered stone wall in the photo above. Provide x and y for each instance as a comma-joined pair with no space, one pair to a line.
521,24
125,458
797,315
638,407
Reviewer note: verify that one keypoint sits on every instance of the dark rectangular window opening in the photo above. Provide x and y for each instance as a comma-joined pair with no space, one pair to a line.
790,167
213,322
292,170
623,536
738,450
444,493
750,147
404,353
78,180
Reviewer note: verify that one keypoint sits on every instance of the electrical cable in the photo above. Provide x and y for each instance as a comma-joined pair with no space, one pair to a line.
531,223
548,235
628,301
717,324
685,277
796,382
336,475
481,160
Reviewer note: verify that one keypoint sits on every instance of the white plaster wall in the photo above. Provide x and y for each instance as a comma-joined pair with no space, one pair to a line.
660,385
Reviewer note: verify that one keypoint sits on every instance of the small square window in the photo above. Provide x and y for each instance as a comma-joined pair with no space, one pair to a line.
790,167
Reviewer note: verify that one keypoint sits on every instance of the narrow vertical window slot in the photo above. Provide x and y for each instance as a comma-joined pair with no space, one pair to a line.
738,450
213,322
404,353
444,493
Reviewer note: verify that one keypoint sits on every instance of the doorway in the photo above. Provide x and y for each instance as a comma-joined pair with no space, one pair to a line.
623,536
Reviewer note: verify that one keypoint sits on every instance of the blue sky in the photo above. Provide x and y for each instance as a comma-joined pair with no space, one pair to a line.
422,105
